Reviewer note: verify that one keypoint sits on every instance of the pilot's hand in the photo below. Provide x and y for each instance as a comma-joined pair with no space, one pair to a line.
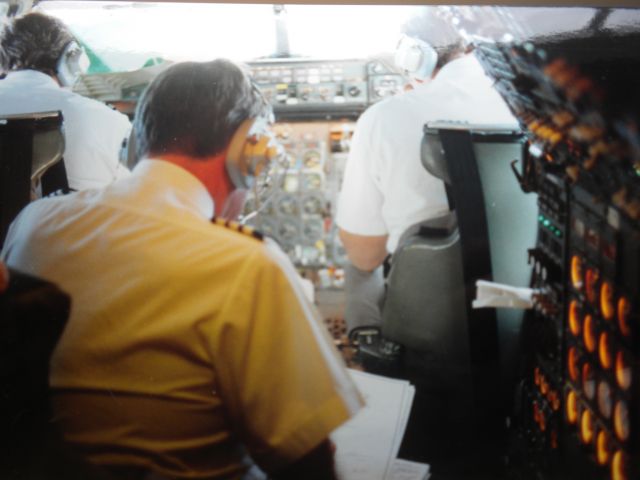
4,277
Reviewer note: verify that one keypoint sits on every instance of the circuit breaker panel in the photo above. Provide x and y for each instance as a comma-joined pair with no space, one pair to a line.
577,412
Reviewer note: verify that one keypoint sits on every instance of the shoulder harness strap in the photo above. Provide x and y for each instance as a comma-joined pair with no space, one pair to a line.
237,227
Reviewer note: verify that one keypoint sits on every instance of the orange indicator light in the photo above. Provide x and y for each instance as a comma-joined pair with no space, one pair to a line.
619,466
604,351
572,407
586,427
603,448
576,272
589,334
624,309
607,306
621,421
623,371
574,318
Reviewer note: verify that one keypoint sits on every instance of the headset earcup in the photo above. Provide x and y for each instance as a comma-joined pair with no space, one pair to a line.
416,57
428,60
72,63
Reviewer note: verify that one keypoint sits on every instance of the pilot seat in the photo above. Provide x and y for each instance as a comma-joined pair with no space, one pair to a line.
462,361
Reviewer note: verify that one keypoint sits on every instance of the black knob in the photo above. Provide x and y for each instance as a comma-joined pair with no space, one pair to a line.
354,91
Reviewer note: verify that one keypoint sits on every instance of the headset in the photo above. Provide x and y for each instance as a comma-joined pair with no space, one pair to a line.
72,63
415,57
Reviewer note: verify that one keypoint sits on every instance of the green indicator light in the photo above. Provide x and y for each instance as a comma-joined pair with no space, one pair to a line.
546,223
541,217
558,233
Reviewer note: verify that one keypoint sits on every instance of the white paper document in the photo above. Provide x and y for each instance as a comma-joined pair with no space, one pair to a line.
368,444
491,294
406,470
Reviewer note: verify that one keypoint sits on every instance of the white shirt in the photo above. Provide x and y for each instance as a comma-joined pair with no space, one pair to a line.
186,337
93,132
385,188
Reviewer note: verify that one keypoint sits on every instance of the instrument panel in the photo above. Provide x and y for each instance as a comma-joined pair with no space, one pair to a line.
316,104
300,211
325,89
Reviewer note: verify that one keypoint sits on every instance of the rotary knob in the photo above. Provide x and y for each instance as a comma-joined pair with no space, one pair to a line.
354,91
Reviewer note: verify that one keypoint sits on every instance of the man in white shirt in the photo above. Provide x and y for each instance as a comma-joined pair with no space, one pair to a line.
187,340
41,57
386,189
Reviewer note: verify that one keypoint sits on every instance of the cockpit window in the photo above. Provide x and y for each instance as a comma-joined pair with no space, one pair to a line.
124,36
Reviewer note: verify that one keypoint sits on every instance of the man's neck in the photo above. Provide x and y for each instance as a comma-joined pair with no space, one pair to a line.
211,171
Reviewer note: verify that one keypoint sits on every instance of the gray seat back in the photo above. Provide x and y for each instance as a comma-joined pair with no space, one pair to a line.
48,149
432,279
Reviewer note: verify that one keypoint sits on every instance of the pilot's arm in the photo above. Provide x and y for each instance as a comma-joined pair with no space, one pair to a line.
281,379
365,252
362,228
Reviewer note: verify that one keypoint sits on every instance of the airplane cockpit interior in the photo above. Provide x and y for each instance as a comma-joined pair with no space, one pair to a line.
511,309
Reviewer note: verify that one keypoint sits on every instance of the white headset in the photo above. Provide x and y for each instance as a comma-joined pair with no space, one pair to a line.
72,63
415,57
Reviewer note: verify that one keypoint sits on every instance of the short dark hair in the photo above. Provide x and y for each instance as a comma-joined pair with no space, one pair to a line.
429,26
195,108
33,41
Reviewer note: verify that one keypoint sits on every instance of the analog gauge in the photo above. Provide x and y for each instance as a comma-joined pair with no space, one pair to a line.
623,370
289,231
575,322
588,381
572,407
605,401
311,158
576,272
589,334
312,230
288,205
312,205
312,181
607,307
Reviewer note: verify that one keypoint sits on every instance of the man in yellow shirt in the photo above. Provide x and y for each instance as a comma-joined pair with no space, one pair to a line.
187,342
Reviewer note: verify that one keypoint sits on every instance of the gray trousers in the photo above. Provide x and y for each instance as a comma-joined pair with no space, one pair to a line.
365,296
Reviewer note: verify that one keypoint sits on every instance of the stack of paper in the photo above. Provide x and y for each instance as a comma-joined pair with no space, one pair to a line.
367,445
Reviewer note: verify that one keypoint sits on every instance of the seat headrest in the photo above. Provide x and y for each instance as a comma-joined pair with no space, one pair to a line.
432,155
48,148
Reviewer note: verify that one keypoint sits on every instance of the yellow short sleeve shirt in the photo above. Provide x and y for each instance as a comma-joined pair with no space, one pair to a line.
186,339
